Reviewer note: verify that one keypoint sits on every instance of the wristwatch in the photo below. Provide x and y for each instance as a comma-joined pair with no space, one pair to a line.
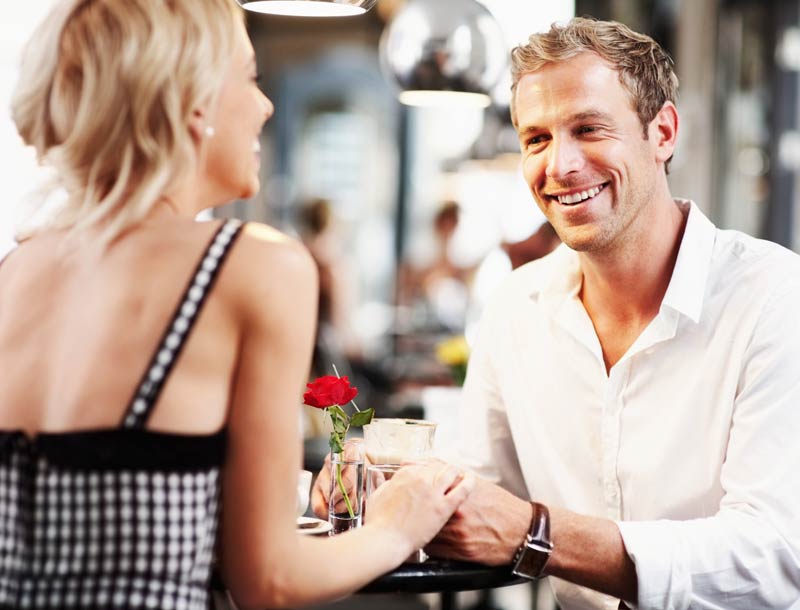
535,550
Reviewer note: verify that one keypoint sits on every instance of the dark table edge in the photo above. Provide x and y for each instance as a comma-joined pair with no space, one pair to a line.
439,576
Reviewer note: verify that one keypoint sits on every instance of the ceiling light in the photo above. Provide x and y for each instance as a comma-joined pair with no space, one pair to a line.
455,48
308,8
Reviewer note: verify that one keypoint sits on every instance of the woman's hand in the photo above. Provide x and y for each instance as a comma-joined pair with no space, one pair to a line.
418,500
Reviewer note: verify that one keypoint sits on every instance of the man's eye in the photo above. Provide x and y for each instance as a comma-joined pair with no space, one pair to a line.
587,129
533,141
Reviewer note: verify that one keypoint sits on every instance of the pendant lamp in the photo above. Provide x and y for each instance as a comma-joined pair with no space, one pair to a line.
443,52
308,8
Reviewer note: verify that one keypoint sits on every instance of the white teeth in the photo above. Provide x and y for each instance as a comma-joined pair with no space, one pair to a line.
256,146
581,196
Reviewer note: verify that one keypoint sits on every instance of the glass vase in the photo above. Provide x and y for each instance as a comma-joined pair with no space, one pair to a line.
346,499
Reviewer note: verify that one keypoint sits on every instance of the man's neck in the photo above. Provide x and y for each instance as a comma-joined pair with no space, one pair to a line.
623,287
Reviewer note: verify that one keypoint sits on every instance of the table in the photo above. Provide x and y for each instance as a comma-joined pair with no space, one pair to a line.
442,576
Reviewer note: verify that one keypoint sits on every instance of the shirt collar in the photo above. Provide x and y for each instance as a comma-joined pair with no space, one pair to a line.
687,287
562,280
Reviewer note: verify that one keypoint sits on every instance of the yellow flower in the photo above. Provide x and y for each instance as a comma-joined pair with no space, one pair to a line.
453,351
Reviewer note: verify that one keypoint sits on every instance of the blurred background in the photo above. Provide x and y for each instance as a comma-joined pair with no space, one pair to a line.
414,213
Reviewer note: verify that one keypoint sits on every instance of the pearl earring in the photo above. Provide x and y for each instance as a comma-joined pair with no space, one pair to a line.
209,131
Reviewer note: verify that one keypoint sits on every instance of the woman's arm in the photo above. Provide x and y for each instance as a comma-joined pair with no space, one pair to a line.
265,563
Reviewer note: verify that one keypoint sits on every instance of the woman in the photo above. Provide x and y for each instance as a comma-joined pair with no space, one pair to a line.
144,354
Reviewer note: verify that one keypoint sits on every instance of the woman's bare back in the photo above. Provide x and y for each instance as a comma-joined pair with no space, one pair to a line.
79,324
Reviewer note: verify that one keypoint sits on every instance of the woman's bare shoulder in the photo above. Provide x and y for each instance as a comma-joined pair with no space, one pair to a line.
261,260
271,240
269,264
263,247
259,250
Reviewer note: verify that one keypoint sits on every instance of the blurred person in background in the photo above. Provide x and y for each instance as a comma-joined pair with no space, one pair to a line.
149,360
336,339
441,287
337,344
538,244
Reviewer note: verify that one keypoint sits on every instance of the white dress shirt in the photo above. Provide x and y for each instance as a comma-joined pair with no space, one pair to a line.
691,442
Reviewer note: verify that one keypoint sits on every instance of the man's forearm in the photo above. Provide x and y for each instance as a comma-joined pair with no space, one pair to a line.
589,551
491,525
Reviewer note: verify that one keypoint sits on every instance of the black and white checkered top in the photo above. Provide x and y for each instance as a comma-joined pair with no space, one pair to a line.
116,518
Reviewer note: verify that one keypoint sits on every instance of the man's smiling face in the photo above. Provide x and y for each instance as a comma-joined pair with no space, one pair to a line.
584,154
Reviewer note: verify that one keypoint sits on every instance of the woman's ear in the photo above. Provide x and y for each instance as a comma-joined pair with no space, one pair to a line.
197,125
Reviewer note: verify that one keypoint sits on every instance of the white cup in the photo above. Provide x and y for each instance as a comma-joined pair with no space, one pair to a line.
393,441
303,491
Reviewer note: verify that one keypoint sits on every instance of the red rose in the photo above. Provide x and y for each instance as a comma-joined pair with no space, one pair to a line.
327,391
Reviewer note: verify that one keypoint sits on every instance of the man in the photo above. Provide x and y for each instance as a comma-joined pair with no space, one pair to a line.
643,381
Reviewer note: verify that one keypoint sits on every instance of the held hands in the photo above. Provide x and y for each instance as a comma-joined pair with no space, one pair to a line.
487,528
418,500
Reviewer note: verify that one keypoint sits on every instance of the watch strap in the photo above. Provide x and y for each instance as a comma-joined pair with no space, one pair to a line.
534,552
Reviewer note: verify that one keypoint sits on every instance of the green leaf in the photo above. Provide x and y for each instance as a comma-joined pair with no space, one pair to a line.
337,411
335,444
339,420
340,427
362,417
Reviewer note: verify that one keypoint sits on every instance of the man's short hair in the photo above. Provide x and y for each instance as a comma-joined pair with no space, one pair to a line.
645,69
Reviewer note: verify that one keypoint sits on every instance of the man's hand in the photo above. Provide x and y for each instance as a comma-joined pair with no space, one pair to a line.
487,528
322,489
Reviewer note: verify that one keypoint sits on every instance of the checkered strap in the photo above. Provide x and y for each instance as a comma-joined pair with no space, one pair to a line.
176,333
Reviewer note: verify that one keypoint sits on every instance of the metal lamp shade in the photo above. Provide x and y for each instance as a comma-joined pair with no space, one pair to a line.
441,52
309,8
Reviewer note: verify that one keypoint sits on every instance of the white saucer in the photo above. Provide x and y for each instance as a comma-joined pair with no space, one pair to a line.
311,526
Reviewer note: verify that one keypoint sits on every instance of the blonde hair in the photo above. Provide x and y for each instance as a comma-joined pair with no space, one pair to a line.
644,68
106,92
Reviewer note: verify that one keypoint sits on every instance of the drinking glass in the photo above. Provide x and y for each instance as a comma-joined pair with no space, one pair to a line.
377,474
